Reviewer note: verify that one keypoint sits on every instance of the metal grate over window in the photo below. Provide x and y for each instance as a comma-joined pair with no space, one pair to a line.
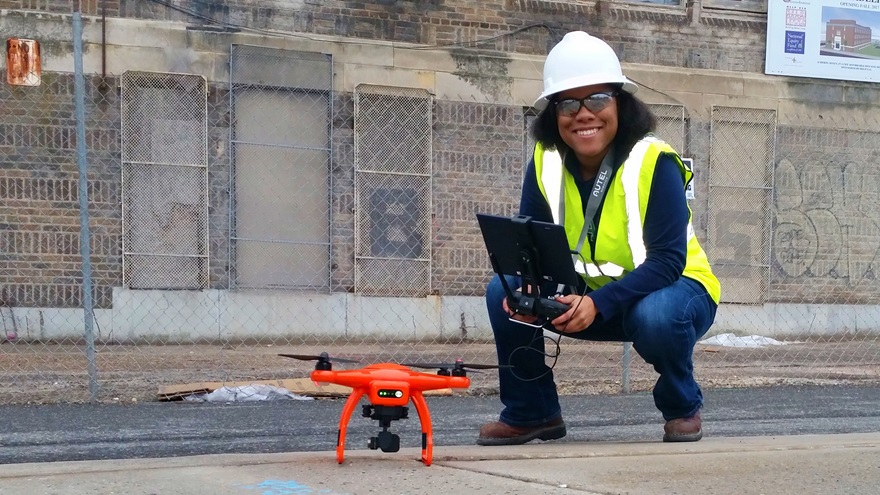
164,179
393,149
740,193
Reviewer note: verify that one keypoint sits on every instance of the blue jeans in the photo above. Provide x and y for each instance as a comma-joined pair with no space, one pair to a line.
663,326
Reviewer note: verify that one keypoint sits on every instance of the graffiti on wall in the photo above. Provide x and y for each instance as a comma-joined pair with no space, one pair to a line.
827,220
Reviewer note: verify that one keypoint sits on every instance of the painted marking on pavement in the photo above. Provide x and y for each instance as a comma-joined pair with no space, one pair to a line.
279,487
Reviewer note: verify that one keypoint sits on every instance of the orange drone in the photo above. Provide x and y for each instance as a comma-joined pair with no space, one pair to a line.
389,387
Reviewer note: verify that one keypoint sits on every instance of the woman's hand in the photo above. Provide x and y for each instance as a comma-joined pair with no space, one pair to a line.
581,315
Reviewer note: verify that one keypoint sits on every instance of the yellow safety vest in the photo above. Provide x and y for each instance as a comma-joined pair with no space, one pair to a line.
620,245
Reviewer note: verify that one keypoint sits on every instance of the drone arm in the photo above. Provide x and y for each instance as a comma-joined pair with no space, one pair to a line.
346,378
425,419
350,404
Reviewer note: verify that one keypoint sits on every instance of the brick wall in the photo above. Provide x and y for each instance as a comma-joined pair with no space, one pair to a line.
218,186
478,168
342,196
642,33
824,250
827,225
39,212
87,7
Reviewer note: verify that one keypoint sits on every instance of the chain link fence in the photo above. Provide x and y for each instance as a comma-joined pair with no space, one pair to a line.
233,220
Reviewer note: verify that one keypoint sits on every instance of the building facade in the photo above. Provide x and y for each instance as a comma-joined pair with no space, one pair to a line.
301,168
846,35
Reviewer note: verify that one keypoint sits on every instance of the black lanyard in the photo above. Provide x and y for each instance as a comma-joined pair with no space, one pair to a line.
600,188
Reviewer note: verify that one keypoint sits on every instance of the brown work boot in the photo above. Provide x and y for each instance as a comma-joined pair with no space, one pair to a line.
498,433
684,429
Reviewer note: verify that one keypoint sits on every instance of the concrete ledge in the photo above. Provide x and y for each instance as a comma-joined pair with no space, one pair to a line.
220,315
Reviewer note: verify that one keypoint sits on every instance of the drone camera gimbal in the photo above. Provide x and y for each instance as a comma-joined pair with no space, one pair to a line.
386,441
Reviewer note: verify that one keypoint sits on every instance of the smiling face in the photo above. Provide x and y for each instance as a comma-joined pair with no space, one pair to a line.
588,134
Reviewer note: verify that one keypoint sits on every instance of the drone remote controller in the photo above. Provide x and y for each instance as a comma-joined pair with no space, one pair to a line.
537,306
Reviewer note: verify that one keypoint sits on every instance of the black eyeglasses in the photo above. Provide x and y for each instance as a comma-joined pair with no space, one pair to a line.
596,102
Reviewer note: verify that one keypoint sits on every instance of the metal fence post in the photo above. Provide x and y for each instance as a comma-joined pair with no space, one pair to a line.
85,238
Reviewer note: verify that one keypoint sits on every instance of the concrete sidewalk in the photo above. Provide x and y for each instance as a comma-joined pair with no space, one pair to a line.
798,465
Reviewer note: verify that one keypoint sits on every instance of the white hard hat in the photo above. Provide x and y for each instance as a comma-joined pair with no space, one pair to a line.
581,60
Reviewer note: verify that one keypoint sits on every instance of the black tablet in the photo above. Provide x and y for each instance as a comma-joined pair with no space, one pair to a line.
516,242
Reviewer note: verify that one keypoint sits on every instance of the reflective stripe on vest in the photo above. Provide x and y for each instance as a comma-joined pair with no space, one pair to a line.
592,271
554,185
632,168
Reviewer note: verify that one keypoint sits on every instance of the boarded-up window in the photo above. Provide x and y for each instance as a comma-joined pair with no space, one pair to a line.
281,109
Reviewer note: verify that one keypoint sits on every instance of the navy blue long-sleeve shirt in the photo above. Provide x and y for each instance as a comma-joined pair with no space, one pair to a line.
665,233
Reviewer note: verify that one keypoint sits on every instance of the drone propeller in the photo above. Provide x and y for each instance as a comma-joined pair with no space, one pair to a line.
458,364
321,358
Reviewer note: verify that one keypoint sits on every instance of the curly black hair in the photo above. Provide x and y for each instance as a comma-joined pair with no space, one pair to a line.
634,121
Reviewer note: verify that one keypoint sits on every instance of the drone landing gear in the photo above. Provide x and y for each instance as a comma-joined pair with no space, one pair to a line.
385,440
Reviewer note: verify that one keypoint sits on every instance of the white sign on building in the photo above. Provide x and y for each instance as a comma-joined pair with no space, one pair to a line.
689,187
829,39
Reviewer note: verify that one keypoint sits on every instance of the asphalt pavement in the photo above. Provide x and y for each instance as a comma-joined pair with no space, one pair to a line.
778,440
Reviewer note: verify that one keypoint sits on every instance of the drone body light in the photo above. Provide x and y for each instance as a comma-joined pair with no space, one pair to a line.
389,387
